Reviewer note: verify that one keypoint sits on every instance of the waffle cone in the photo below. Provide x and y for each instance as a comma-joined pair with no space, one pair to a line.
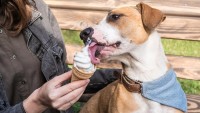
78,74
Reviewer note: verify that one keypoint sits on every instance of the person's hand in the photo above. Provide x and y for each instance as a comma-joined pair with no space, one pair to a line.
53,94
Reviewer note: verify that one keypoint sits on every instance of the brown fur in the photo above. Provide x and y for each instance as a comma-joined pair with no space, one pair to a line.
130,24
112,99
151,17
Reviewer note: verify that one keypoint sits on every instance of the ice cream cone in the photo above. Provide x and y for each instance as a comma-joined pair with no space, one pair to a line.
78,74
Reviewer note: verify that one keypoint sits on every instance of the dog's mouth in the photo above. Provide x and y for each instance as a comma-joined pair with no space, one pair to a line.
96,50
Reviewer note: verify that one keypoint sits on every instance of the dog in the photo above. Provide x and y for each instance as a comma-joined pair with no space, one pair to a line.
147,84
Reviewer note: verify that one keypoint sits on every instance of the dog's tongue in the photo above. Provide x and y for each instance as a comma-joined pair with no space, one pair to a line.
92,50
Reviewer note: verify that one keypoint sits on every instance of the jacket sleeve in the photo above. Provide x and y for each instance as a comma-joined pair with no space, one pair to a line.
54,29
18,108
58,35
100,79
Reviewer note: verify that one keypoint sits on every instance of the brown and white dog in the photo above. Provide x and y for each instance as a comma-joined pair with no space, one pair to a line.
128,35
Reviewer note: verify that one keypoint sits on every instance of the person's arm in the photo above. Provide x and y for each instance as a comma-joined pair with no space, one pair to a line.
54,28
58,34
101,78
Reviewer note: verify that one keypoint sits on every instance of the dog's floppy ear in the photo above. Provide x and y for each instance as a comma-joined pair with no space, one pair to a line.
151,17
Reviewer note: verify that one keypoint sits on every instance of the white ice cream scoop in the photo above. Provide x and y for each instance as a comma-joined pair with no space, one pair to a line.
82,60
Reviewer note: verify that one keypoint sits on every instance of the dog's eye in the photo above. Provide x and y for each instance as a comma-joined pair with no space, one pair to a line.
114,17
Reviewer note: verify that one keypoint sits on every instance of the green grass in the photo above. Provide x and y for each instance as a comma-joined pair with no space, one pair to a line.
181,47
72,37
77,106
190,86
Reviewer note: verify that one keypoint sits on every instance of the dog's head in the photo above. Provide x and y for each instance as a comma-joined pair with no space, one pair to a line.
122,30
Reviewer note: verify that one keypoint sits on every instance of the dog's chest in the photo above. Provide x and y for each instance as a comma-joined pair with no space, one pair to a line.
127,102
115,99
148,106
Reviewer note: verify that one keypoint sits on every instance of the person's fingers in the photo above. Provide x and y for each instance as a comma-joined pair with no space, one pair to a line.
69,104
59,79
69,99
61,91
72,86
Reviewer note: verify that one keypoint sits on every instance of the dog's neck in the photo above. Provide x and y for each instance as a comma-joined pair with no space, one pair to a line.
147,61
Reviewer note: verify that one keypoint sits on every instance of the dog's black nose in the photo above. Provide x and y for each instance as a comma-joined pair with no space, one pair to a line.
86,33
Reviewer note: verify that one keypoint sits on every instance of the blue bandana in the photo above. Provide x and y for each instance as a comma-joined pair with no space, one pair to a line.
166,90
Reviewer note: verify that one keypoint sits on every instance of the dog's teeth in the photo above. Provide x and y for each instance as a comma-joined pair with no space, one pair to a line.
88,41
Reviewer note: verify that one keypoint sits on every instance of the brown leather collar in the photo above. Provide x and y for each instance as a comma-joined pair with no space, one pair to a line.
129,84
